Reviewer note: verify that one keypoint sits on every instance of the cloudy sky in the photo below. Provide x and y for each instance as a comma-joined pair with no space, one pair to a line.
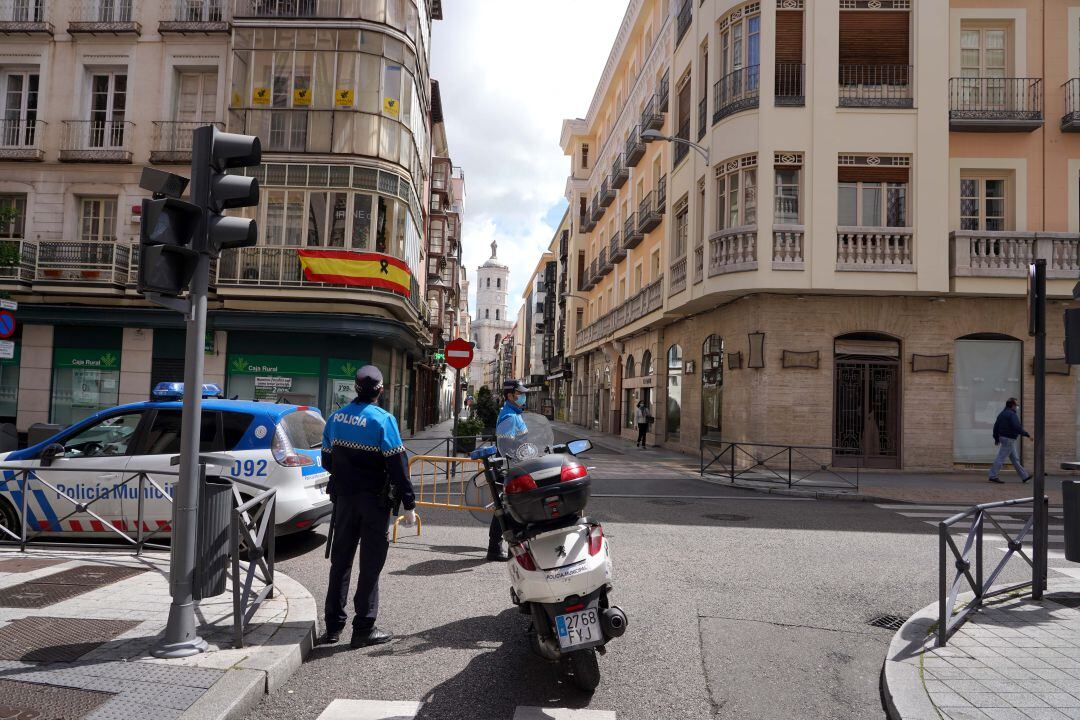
509,72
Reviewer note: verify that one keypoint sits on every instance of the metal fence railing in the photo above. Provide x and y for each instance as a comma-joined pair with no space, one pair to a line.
789,90
790,465
950,617
1001,99
251,530
875,86
736,91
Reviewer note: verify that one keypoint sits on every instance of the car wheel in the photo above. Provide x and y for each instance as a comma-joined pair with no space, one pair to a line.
9,520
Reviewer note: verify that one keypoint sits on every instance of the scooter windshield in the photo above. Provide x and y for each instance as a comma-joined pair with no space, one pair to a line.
524,436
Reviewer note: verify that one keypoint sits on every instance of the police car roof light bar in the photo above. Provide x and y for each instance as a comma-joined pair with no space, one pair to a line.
175,391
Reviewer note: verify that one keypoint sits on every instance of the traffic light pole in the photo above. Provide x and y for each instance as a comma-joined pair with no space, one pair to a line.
1038,290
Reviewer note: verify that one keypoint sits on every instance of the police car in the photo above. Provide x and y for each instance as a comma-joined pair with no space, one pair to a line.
271,444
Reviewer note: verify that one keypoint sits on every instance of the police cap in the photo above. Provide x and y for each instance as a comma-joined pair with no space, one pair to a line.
514,386
368,380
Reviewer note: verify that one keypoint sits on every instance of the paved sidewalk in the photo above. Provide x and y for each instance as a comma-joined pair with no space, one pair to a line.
1014,660
86,654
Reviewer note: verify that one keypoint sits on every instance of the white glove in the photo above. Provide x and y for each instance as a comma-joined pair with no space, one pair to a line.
409,518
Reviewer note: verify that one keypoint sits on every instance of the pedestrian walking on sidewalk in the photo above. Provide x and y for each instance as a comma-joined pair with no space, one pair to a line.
1007,429
369,479
641,418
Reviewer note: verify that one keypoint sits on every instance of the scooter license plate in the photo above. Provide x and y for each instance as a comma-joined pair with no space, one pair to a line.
580,628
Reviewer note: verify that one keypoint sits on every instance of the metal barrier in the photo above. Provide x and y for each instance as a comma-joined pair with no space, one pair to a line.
948,620
252,521
443,446
758,464
440,482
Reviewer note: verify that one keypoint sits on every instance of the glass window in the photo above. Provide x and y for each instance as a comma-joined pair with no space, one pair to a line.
361,228
750,196
712,384
81,389
673,424
646,364
97,219
304,429
163,438
988,372
872,204
787,197
983,204
234,426
109,437
12,216
682,221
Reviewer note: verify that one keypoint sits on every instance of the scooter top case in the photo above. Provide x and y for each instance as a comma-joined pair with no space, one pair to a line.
546,489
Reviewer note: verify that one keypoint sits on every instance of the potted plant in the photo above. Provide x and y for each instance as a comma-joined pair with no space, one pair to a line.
467,430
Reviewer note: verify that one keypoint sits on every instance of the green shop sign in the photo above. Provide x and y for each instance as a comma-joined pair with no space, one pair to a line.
97,359
345,369
290,365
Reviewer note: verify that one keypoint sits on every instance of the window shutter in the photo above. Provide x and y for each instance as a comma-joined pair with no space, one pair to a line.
873,174
875,38
789,36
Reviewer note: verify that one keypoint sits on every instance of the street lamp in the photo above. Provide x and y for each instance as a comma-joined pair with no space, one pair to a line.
650,135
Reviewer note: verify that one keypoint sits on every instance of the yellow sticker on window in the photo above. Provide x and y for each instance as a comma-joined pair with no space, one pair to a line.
390,106
343,97
301,96
260,96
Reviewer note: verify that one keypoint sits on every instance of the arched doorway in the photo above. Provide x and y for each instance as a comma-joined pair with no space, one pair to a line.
989,370
712,386
629,394
673,422
866,401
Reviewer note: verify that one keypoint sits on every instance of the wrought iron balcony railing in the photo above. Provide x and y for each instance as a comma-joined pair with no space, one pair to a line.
635,147
648,217
97,141
682,22
995,104
22,139
619,172
607,193
735,92
652,116
789,90
171,141
26,16
22,261
98,262
1070,121
194,16
682,149
616,250
103,16
603,265
632,234
982,253
875,249
296,8
875,86
702,118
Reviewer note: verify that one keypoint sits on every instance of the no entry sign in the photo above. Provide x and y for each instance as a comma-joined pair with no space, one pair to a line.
459,354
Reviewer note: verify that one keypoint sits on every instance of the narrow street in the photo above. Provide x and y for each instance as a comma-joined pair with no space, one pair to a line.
741,605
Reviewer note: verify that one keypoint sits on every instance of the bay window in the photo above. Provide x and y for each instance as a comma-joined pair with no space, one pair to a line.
736,193
872,204
787,195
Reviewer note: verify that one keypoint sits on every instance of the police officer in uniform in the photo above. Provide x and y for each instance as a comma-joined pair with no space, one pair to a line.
369,476
509,423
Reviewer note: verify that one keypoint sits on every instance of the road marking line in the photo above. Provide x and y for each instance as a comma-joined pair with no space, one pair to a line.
343,709
701,497
536,713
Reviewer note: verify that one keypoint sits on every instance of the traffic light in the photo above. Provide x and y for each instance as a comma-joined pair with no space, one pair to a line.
214,152
166,258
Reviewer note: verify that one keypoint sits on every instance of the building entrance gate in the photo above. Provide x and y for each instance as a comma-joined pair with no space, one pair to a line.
866,403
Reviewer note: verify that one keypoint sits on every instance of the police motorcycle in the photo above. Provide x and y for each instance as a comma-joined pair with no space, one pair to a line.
560,573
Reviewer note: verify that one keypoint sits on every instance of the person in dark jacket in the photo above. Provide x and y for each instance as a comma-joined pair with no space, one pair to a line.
1007,429
369,476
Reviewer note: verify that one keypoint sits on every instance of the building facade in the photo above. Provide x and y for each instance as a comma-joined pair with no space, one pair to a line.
338,92
915,156
532,328
492,324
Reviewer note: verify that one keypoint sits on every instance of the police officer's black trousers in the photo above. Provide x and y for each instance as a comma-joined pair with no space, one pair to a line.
358,519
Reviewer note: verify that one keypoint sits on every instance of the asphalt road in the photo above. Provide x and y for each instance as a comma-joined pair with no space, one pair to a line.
741,605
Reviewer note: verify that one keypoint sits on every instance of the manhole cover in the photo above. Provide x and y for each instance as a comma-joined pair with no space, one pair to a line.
889,622
27,701
728,517
1068,600
44,591
48,639
18,565
670,502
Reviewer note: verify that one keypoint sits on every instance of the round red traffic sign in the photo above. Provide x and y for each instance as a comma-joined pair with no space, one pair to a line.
459,353
7,324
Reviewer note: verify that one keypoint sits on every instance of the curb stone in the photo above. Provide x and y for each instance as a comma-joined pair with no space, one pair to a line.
902,680
795,492
232,696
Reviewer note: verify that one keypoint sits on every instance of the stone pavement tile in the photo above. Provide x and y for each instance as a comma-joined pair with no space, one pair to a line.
986,673
1038,687
1045,714
949,699
951,673
968,686
1055,675
963,713
986,700
1023,700
1061,699
1009,713
122,709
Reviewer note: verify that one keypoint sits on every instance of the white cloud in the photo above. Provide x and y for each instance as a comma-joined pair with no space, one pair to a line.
509,72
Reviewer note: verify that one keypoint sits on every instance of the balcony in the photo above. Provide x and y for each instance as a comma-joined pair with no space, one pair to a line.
607,194
586,281
663,94
699,264
597,209
682,21
585,223
1008,253
678,276
682,149
1070,121
616,251
874,249
635,147
661,195
619,172
22,139
603,265
22,262
648,300
97,141
313,9
733,250
652,117
171,141
26,17
995,104
735,92
789,90
648,217
100,263
632,234
103,17
788,247
875,86
182,17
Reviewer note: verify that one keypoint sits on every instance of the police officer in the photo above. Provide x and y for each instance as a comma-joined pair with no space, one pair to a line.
369,475
509,423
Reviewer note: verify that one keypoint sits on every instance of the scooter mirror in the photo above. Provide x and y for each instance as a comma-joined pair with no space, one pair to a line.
576,447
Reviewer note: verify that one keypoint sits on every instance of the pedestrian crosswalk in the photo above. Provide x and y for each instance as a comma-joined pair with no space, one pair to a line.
1011,520
346,709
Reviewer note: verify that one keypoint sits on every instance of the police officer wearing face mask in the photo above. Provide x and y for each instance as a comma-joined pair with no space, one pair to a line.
510,423
369,476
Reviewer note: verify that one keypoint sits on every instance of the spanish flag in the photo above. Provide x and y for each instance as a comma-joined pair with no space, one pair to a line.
357,269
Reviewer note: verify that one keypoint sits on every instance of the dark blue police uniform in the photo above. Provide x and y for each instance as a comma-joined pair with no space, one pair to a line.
368,467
